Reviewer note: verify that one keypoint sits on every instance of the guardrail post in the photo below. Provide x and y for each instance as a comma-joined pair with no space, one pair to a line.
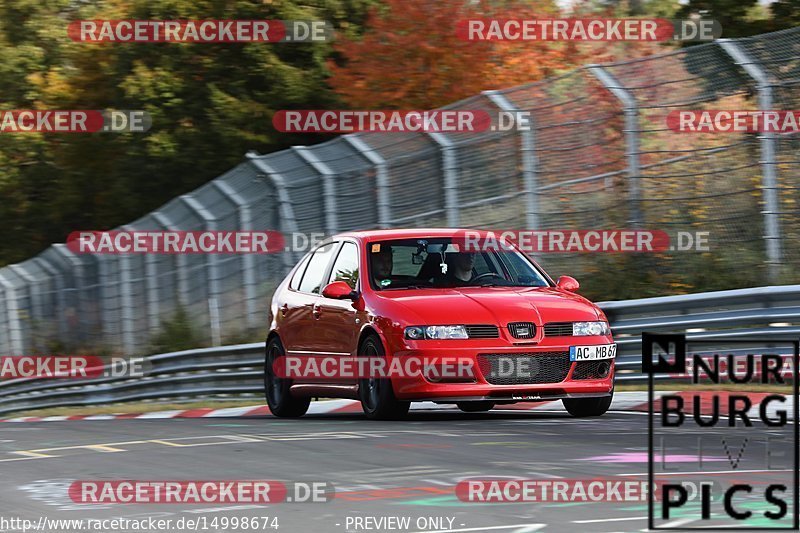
450,173
632,150
767,140
212,272
528,159
12,311
381,177
248,260
329,186
288,220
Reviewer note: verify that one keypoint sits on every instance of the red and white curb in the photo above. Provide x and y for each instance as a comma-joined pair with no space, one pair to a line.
623,401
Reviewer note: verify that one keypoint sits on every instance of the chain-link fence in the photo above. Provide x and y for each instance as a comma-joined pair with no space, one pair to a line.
598,155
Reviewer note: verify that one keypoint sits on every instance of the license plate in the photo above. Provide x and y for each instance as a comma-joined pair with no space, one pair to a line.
592,353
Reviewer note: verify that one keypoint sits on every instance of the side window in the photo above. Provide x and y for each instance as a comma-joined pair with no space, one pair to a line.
312,279
298,274
346,266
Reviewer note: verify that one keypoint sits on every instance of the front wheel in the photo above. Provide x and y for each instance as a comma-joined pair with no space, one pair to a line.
475,407
377,396
581,407
277,390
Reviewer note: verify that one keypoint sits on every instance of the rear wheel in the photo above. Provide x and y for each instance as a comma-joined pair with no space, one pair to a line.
581,407
377,396
475,407
277,390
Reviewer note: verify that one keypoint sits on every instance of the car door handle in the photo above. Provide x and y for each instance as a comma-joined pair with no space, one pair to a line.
315,310
284,309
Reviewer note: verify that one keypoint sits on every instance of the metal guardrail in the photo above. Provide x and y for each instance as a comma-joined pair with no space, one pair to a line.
237,370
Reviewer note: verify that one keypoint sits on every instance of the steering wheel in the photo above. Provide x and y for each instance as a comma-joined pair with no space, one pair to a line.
487,275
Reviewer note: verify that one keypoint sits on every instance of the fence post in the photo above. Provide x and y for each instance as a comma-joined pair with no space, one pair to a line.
530,177
767,140
126,300
450,173
180,264
248,260
59,290
381,177
82,301
288,220
34,295
329,186
632,150
12,310
212,272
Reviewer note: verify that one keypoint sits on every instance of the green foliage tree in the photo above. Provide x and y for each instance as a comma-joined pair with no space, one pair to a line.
210,103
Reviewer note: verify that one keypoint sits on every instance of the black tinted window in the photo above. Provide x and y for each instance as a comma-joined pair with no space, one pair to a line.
312,279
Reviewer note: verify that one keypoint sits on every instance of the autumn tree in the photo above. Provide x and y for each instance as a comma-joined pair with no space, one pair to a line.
412,57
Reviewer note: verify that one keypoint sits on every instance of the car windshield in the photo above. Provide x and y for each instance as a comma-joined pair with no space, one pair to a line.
441,263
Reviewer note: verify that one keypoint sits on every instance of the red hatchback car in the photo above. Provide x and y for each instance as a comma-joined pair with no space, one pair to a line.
392,295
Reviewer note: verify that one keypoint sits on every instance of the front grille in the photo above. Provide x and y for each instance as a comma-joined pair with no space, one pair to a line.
524,368
592,369
482,332
522,330
558,329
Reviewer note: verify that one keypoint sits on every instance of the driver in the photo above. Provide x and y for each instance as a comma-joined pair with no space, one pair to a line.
459,270
382,264
463,263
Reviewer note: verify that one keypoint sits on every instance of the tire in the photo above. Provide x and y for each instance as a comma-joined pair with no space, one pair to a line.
377,396
475,407
277,390
583,407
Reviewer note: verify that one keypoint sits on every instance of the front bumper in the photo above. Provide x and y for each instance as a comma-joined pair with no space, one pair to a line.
569,380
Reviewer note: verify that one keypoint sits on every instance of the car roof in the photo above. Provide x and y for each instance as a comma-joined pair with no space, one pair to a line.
416,233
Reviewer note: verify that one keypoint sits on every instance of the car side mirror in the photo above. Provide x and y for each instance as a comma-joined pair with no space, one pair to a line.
339,290
568,283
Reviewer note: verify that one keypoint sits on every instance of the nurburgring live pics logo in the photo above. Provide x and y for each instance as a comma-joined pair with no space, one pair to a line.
720,415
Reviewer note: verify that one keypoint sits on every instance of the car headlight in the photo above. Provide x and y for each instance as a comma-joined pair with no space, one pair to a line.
436,332
582,329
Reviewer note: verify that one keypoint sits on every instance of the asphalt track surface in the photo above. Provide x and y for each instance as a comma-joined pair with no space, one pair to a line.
421,458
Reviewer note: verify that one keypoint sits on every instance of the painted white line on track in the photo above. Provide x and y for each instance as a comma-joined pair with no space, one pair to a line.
601,520
160,414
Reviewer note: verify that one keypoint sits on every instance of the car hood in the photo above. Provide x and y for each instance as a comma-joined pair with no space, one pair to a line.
490,305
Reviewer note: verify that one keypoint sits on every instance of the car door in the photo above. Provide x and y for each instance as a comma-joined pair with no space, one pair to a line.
291,309
337,318
306,300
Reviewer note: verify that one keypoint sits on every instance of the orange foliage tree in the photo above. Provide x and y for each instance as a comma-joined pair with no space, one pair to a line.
410,56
